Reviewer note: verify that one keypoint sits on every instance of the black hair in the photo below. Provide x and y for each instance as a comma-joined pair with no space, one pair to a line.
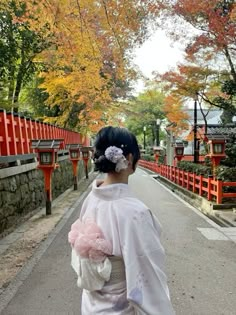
114,136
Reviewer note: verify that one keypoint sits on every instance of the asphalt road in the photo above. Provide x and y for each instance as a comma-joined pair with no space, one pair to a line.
201,262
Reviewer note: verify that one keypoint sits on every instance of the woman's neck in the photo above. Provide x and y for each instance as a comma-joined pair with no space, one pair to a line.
115,178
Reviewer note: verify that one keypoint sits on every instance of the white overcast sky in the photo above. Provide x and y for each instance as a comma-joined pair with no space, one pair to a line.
158,53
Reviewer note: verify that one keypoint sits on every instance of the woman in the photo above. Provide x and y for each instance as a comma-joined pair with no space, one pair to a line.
118,255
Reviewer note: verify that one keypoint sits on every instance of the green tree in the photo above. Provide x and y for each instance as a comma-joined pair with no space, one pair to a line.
19,46
143,111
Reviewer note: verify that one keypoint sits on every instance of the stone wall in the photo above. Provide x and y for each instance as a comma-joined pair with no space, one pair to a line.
22,193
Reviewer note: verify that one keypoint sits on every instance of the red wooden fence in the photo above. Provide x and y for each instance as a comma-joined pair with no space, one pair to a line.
207,187
16,132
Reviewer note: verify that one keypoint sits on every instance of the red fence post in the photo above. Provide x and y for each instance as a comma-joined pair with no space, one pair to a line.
25,137
11,134
4,139
178,176
53,132
188,180
182,178
194,181
209,195
18,133
30,132
200,184
48,131
40,132
219,191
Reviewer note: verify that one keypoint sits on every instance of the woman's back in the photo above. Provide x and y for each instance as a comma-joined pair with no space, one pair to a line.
137,282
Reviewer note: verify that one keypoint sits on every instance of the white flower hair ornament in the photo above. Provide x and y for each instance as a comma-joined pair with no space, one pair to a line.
115,155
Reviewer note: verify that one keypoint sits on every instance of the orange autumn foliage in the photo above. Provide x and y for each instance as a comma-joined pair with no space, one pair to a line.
175,114
88,60
214,23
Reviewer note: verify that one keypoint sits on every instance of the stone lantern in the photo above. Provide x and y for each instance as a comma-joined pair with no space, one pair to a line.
157,152
179,151
216,150
47,159
86,155
74,150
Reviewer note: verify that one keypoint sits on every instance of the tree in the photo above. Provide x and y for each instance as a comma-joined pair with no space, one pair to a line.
212,48
175,114
19,45
143,111
193,82
89,62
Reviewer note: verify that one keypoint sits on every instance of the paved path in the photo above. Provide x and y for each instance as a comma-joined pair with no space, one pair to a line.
200,267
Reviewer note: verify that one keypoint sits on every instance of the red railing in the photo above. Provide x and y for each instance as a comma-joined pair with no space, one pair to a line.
16,132
207,187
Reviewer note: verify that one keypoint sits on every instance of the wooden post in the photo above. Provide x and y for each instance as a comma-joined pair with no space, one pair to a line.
25,137
48,190
174,174
178,176
200,184
187,180
11,134
182,174
219,191
194,180
4,138
209,196
18,133
75,171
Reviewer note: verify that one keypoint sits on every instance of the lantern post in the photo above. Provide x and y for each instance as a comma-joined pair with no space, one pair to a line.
179,151
216,151
74,150
85,155
47,162
157,152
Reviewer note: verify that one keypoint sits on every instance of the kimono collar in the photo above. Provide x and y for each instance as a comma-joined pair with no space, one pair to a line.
111,192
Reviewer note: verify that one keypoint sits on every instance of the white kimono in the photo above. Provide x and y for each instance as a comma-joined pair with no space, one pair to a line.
135,237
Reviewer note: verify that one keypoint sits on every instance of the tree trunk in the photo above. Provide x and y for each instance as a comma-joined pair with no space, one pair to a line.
232,69
11,80
15,104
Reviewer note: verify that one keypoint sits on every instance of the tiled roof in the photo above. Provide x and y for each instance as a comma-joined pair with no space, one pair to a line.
212,116
221,131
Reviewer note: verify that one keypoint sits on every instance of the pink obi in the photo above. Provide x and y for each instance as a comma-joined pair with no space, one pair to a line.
88,240
89,257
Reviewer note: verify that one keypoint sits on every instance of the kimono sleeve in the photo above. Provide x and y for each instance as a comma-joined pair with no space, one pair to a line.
144,257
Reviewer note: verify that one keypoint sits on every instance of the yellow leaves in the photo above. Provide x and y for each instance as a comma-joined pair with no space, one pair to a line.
174,112
200,135
87,62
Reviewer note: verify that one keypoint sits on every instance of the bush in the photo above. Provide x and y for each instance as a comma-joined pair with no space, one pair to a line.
161,159
195,168
149,150
225,173
148,157
230,151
